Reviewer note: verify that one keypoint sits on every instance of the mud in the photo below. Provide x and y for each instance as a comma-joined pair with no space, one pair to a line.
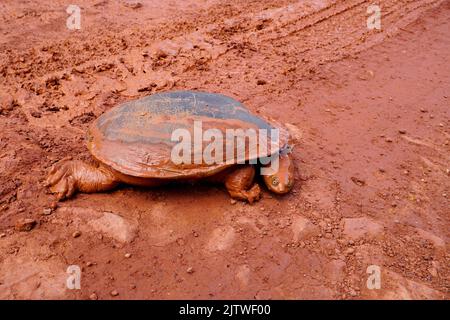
372,159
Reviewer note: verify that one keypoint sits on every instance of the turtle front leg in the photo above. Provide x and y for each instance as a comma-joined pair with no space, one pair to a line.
69,176
239,184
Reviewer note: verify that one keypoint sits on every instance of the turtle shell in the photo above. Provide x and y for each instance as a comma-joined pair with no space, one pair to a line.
136,137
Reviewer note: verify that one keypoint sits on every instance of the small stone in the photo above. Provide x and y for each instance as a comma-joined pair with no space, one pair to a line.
349,251
358,181
232,201
93,296
190,270
127,255
433,272
25,224
389,140
54,205
2,235
114,293
402,131
132,4
46,212
36,114
261,82
160,54
76,234
89,264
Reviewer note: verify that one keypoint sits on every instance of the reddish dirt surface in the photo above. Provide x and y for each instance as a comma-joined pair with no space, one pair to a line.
372,109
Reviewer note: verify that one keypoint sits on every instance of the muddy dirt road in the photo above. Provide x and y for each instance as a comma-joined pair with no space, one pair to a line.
372,108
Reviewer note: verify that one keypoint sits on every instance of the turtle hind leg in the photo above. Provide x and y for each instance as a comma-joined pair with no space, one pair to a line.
240,184
69,176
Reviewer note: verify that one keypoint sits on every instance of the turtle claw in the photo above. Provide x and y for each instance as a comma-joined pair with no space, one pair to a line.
61,180
253,194
68,176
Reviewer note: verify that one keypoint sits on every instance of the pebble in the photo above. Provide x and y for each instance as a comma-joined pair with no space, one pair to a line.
25,224
402,131
35,114
190,270
114,293
132,4
46,212
2,235
433,272
349,251
127,255
93,296
232,201
76,234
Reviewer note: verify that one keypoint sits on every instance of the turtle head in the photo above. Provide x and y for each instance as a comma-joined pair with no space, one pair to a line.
283,180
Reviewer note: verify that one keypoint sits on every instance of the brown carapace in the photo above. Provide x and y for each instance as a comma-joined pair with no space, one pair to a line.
133,144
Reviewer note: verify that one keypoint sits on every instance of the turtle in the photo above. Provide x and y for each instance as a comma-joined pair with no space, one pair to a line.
132,143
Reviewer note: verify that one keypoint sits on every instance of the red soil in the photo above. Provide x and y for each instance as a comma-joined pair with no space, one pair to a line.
372,108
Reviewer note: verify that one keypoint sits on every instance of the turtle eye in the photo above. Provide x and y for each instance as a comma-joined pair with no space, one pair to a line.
275,181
